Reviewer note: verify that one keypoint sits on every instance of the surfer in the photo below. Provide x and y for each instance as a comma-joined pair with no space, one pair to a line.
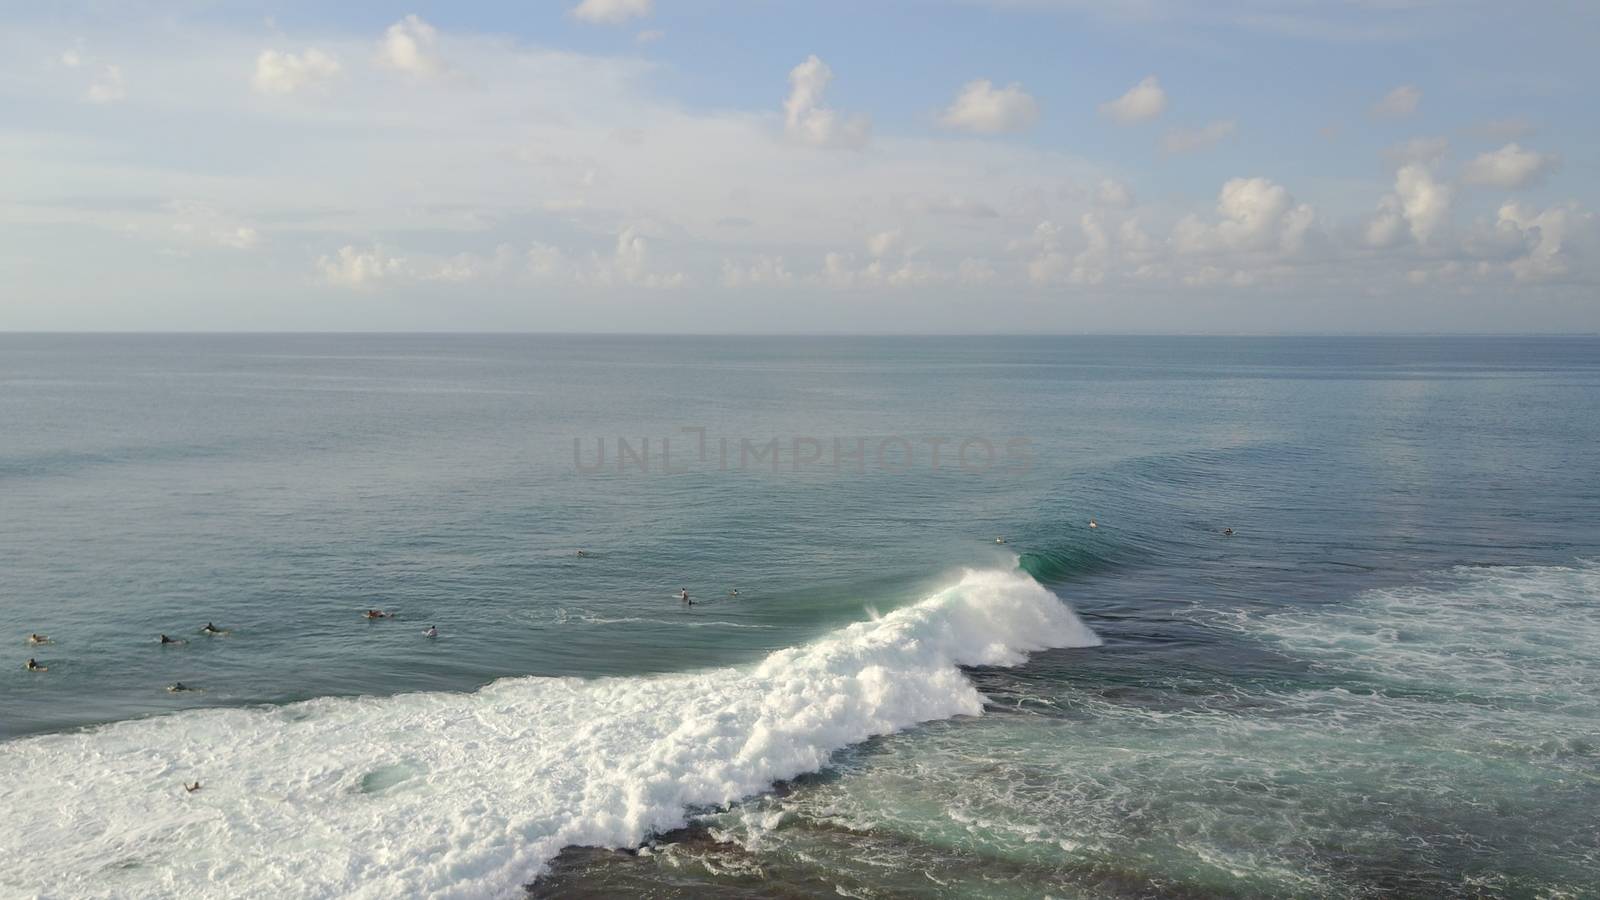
167,640
212,629
683,594
1228,531
377,614
37,638
734,592
1093,524
999,540
430,631
33,666
191,788
582,552
177,687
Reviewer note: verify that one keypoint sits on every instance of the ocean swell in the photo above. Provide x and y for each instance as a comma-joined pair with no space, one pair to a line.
469,795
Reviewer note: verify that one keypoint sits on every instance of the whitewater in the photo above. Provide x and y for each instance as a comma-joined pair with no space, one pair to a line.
470,795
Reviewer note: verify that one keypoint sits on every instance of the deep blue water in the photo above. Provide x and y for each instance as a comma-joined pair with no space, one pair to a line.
1406,603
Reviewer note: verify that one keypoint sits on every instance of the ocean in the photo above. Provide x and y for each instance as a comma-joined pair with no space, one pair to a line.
992,636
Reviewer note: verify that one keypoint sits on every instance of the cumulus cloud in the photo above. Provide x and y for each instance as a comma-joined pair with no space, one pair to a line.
1192,140
1424,201
611,12
1387,227
1113,193
1417,206
411,45
109,87
763,271
359,269
1509,167
1254,214
1143,102
807,120
285,73
1398,103
1544,237
982,108
885,243
629,264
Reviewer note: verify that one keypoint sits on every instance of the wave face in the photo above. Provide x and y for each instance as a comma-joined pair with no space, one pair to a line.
469,795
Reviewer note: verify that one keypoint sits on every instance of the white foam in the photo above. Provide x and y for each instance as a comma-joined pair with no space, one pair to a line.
469,795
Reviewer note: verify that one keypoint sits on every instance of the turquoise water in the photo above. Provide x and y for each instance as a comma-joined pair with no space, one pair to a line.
1384,682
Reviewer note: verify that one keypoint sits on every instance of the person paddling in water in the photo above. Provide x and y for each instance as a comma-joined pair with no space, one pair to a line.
33,666
37,638
167,640
430,632
683,594
212,629
377,614
191,788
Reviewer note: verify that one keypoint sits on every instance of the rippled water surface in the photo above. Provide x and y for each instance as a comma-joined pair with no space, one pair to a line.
1382,683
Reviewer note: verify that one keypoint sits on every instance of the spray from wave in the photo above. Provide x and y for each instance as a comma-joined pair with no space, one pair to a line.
454,795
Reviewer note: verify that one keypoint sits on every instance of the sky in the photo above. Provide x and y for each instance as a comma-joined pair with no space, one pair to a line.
876,166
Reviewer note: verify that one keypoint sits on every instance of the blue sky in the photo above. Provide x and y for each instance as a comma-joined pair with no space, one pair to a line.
690,165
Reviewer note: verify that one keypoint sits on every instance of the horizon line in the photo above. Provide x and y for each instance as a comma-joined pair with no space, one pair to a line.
779,334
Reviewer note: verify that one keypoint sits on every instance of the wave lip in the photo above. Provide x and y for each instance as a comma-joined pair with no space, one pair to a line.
469,795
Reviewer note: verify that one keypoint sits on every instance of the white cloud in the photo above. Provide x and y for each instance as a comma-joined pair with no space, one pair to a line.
1418,205
1424,201
648,36
982,108
764,271
284,73
807,120
885,243
1544,236
1254,214
1191,140
241,238
1509,167
467,267
411,45
628,265
1143,102
1398,103
359,269
1113,193
1387,227
71,59
611,12
109,87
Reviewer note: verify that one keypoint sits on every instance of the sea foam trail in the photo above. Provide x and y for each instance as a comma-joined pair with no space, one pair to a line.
469,795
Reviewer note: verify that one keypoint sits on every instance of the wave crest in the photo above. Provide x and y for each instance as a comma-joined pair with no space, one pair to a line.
469,795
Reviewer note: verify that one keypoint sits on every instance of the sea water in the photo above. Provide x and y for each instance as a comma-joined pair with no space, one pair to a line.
1383,682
